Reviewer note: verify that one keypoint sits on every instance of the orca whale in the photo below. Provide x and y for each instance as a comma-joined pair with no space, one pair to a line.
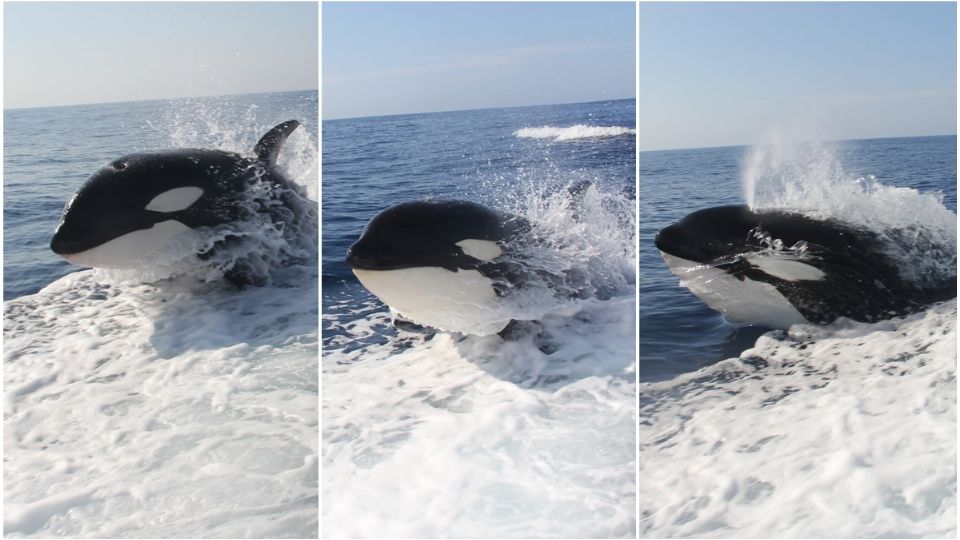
442,263
139,204
778,268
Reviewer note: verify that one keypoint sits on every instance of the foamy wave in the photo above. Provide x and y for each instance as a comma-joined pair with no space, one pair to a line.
122,401
572,133
535,445
851,431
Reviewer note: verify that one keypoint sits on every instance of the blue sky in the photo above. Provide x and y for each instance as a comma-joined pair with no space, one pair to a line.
393,58
725,74
72,53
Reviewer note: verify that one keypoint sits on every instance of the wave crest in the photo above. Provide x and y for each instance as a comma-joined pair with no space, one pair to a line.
572,133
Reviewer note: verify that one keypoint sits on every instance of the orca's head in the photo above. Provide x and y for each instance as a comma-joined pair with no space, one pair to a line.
710,235
138,204
444,234
424,260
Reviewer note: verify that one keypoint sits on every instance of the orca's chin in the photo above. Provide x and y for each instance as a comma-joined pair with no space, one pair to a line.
129,250
462,301
679,253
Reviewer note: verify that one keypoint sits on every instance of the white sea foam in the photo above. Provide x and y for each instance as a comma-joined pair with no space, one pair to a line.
572,133
478,437
179,409
842,431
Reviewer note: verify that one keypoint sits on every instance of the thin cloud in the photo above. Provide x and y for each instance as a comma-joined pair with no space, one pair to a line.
857,98
494,59
898,96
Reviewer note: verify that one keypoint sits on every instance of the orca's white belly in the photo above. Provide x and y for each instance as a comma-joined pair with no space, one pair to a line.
462,301
741,302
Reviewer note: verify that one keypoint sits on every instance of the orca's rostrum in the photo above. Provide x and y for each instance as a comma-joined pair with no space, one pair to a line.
140,204
778,268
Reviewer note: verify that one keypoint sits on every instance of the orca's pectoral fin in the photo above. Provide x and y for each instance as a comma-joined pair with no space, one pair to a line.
269,145
243,275
406,325
516,330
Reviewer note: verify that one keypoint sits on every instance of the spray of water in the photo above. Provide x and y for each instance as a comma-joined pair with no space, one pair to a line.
202,123
582,242
809,178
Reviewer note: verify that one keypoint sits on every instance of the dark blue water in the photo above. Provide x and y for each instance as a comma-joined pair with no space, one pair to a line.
372,163
678,332
49,152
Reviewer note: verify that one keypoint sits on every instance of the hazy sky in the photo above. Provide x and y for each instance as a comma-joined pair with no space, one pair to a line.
381,58
72,53
726,74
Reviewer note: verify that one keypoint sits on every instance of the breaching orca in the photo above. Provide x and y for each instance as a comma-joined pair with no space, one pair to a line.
139,204
777,268
442,264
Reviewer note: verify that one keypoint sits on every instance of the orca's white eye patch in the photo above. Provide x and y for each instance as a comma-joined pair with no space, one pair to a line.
175,199
484,250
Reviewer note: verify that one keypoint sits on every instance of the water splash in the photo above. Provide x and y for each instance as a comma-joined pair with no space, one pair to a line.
810,178
208,123
583,241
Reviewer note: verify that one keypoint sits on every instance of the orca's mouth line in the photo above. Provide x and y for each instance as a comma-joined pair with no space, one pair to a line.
357,262
66,249
371,265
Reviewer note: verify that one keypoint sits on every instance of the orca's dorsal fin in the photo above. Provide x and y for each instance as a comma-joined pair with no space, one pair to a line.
577,189
575,194
269,145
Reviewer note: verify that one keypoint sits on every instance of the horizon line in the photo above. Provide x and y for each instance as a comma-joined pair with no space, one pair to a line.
472,109
149,100
717,146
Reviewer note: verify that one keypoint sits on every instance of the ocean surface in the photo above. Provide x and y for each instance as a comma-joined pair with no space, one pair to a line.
843,430
147,405
468,436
